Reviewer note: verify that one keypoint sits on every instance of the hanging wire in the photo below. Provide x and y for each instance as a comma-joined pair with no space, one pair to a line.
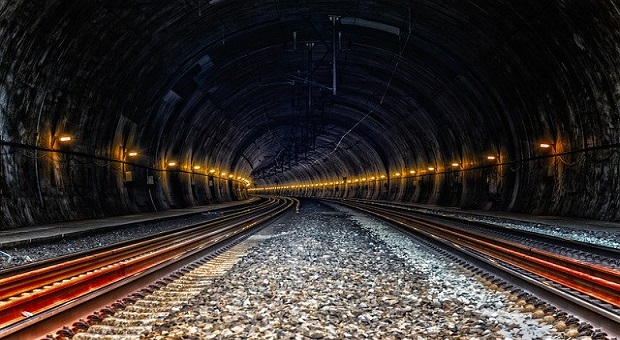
385,91
387,87
604,159
60,160
30,156
573,163
105,163
515,169
80,162
63,161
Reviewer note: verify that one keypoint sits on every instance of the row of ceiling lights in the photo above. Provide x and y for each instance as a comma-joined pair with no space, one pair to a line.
455,165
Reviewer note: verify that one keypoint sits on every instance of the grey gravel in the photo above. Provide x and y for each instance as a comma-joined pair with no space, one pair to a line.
15,256
322,276
328,274
607,238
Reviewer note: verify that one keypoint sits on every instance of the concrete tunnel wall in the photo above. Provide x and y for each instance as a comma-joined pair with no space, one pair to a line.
176,84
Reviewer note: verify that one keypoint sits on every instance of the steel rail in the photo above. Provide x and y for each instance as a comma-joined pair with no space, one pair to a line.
612,253
85,275
44,272
599,282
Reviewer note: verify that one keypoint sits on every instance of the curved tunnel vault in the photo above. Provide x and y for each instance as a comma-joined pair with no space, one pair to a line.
232,91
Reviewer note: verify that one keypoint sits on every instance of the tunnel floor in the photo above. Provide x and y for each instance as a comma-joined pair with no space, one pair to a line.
332,273
326,272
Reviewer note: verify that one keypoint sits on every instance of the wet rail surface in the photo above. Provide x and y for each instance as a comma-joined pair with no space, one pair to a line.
41,293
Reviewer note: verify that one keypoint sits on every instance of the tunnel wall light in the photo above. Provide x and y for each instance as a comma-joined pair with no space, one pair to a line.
476,166
127,174
349,180
495,158
547,146
61,139
120,157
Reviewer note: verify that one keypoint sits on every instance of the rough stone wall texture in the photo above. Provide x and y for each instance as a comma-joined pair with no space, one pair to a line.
67,69
212,87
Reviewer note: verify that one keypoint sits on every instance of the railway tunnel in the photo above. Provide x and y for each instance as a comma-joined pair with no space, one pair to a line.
112,107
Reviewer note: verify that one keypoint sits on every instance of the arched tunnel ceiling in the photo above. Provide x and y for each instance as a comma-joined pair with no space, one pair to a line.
247,85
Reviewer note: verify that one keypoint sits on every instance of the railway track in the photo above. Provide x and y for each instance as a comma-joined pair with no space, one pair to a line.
588,252
137,320
584,287
36,299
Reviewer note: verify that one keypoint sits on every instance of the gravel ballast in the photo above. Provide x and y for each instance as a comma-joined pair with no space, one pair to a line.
21,255
338,274
606,238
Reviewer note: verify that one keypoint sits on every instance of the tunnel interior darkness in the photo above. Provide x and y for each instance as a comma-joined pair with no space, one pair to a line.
396,100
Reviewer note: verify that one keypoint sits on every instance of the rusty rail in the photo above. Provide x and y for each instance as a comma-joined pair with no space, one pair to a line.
29,293
596,281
